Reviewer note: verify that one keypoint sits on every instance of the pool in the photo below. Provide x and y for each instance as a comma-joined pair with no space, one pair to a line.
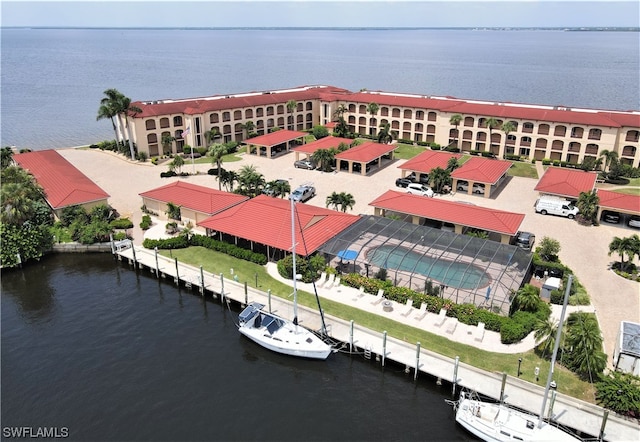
453,274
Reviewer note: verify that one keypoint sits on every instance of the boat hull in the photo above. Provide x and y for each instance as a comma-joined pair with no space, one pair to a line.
498,422
281,335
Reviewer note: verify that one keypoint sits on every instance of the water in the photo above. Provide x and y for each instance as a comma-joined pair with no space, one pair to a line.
53,79
111,354
453,274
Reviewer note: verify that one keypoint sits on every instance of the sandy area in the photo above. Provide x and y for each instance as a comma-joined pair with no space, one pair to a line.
584,249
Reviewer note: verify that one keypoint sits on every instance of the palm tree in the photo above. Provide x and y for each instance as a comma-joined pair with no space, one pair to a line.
340,111
545,335
108,109
211,135
439,178
455,121
217,152
324,157
588,205
626,245
341,200
452,164
584,342
491,123
167,142
248,128
173,211
176,164
507,128
385,135
372,108
527,298
279,188
610,158
251,181
6,157
227,178
291,106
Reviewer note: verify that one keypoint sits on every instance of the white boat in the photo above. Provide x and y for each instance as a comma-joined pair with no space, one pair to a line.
279,334
499,422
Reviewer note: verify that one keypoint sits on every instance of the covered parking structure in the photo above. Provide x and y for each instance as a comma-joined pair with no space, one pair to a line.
488,174
566,183
622,203
467,269
500,225
364,157
425,162
274,143
329,142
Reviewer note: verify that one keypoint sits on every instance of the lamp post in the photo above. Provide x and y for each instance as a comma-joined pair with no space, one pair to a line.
519,362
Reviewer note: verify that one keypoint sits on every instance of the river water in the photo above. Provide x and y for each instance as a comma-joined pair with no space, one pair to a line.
112,354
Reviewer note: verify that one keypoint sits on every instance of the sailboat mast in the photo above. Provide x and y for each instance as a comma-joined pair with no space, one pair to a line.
293,251
555,349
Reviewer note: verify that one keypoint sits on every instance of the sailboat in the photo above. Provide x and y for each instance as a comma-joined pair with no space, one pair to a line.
277,333
500,422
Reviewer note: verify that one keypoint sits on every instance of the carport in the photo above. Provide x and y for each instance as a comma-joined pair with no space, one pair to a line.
361,158
501,225
484,171
618,202
424,163
566,183
275,142
323,143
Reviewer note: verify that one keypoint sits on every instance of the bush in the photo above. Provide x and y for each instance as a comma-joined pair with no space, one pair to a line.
145,224
511,331
121,223
168,174
229,249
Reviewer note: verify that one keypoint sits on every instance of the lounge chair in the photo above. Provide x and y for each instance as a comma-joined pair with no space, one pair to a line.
329,282
422,312
451,325
480,332
409,304
379,297
336,283
360,293
322,279
441,318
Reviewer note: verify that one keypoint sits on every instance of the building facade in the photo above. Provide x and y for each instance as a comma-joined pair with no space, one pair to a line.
534,131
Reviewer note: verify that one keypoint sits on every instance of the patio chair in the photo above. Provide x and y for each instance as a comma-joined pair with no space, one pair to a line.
322,279
480,332
329,282
441,318
409,304
379,297
422,312
360,293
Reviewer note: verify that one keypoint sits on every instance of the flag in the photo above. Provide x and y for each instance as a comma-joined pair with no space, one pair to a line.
186,132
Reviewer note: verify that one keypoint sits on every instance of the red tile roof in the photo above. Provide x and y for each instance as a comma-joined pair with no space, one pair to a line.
619,201
323,143
191,196
366,152
237,101
64,185
275,138
428,160
482,170
477,217
566,182
267,220
401,100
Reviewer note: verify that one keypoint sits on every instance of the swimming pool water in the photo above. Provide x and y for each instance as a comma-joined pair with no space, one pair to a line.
453,274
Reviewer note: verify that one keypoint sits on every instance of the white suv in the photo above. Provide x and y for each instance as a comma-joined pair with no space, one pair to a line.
419,189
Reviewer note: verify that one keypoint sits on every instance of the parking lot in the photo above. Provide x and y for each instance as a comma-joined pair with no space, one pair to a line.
584,249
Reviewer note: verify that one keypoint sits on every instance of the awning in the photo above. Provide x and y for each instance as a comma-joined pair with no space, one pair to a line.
347,255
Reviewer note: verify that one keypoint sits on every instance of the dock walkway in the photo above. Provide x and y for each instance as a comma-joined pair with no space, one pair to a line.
567,410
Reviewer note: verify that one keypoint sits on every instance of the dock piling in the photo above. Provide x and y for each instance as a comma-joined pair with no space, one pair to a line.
384,346
201,281
415,374
455,376
177,272
351,336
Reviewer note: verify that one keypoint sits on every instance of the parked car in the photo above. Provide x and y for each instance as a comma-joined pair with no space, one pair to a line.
303,193
424,178
304,164
403,182
610,217
524,240
555,206
634,221
420,189
477,188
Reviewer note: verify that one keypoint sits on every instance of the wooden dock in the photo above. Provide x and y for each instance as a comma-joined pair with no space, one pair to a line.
568,411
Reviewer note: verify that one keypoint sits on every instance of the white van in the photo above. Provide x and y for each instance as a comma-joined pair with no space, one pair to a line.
553,205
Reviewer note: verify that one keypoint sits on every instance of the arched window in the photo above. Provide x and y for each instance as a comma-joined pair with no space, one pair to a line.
527,127
469,121
432,116
150,124
248,114
177,121
595,134
633,135
395,112
237,115
543,129
164,123
560,131
419,115
384,111
152,139
352,107
362,109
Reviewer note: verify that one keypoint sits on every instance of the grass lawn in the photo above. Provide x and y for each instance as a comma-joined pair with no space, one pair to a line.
216,262
407,151
629,191
526,170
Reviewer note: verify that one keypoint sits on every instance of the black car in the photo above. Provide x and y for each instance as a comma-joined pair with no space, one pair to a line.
524,240
403,182
610,217
424,178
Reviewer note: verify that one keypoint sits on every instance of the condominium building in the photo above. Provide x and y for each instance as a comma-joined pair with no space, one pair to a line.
533,131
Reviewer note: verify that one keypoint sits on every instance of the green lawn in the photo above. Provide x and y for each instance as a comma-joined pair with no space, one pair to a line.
407,151
628,191
520,168
216,262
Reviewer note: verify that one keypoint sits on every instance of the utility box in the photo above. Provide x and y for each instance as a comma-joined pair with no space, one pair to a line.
549,285
626,356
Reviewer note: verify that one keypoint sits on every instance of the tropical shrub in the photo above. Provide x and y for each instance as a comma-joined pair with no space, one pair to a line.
619,392
145,224
121,223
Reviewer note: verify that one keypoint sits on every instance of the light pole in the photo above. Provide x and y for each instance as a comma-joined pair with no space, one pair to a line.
519,362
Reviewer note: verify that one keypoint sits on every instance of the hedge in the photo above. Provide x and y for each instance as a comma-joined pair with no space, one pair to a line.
122,223
229,249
